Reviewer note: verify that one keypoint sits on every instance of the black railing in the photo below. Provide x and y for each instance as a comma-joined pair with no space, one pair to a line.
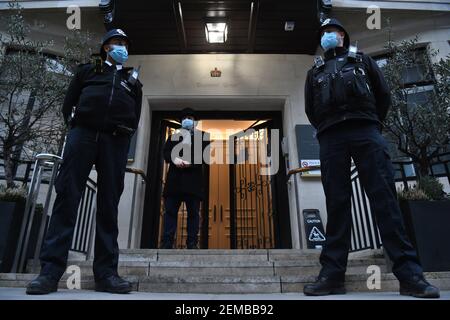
44,171
82,237
86,210
364,232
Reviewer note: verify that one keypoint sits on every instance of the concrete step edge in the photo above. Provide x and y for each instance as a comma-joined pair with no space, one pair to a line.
349,277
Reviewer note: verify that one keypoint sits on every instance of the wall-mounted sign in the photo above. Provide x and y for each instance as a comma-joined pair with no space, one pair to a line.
308,148
216,73
310,163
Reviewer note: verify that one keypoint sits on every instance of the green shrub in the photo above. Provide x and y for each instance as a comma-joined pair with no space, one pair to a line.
428,188
412,194
432,187
16,194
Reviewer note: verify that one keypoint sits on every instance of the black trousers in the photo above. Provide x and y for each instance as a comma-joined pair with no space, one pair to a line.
363,142
84,148
172,204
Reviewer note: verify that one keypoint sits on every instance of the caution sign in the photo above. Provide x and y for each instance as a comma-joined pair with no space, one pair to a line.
314,231
316,235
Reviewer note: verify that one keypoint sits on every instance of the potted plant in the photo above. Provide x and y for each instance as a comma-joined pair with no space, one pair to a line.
418,127
12,206
426,213
418,121
12,209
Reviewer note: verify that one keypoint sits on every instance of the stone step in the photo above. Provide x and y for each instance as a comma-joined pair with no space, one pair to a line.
210,284
132,268
228,271
218,254
294,268
358,282
224,254
20,280
226,268
247,268
233,284
211,254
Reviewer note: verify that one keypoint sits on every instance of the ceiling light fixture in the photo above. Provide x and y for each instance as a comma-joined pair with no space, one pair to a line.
216,31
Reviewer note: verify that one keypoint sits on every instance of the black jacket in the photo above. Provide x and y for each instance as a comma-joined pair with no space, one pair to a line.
186,181
103,100
370,107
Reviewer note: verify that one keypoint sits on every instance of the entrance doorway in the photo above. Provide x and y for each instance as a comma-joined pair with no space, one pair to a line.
243,209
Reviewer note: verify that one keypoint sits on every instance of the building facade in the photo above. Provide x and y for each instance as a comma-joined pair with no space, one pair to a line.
253,80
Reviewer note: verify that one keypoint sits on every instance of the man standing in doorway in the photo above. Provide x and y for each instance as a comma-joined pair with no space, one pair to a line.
184,151
103,106
346,100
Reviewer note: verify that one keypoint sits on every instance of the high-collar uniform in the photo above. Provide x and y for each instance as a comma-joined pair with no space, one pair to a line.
346,100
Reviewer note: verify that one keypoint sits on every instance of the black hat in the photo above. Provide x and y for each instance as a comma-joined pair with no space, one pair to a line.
335,23
187,112
114,33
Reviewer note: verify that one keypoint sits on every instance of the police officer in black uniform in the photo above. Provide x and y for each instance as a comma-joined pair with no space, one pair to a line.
185,179
346,100
103,105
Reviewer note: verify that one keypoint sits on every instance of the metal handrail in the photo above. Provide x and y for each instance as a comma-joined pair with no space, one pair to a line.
78,243
145,180
42,160
301,170
139,172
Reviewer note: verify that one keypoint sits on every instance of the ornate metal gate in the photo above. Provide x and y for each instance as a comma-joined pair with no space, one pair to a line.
252,209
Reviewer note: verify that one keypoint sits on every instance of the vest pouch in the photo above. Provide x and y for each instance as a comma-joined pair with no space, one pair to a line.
357,82
340,90
322,95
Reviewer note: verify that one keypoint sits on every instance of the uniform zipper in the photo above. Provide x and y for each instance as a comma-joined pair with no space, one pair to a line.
110,98
112,90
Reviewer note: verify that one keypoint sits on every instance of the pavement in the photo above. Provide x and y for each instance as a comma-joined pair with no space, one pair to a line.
65,294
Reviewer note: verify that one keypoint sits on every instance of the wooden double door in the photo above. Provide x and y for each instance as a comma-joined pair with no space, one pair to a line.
240,208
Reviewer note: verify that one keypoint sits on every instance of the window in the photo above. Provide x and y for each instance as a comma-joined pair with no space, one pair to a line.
418,86
415,75
419,95
417,89
53,64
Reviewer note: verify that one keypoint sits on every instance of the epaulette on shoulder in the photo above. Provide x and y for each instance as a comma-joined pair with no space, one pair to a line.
318,62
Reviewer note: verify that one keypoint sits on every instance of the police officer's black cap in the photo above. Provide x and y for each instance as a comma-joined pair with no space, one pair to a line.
331,22
113,33
187,112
